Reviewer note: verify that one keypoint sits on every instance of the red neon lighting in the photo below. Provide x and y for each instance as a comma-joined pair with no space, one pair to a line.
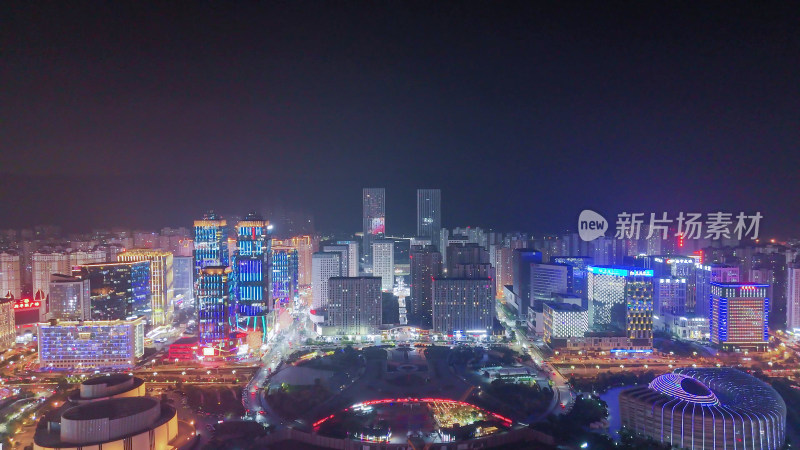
26,303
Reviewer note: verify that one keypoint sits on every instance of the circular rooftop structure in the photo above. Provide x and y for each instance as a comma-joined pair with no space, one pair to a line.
706,408
108,386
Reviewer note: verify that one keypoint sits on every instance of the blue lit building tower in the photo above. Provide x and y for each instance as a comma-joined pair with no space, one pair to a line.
251,273
210,242
284,275
213,310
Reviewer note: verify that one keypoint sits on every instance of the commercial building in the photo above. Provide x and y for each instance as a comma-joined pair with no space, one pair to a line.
107,387
373,219
183,277
210,242
43,265
214,306
793,298
690,328
739,316
564,320
88,345
383,263
117,423
547,279
323,267
69,298
463,305
284,274
580,275
10,275
161,282
184,349
468,260
621,299
704,276
522,260
706,409
354,306
426,264
429,215
118,290
252,261
8,332
669,295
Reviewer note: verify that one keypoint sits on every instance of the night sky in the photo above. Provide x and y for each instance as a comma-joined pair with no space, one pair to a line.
523,114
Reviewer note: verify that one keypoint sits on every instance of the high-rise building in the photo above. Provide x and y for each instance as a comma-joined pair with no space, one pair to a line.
210,242
81,257
352,257
345,263
468,260
8,332
622,298
354,305
522,260
69,298
118,290
426,264
429,214
183,277
793,298
161,282
669,295
87,345
739,316
383,263
705,275
373,218
284,274
44,264
579,274
547,279
323,267
463,306
305,249
250,278
564,320
10,275
214,306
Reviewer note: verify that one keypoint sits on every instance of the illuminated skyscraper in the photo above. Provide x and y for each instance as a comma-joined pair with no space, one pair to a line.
522,259
373,218
324,266
213,306
669,295
426,264
579,274
161,281
69,298
210,242
429,215
739,315
10,281
118,290
44,264
705,275
284,274
622,298
462,305
251,272
793,298
383,263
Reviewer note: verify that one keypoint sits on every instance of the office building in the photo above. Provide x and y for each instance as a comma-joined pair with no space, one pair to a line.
669,295
8,332
705,275
706,408
214,307
468,260
463,305
564,320
10,275
373,218
251,271
161,282
183,277
118,290
547,279
80,257
354,306
44,264
69,298
503,268
426,264
383,263
429,215
793,298
522,260
346,264
739,316
323,267
284,275
210,242
580,275
113,345
621,298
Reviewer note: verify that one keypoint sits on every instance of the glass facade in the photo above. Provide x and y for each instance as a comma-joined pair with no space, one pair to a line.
118,290
251,271
284,274
213,306
210,242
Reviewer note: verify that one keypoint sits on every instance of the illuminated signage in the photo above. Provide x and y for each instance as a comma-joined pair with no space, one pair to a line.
26,303
620,272
208,351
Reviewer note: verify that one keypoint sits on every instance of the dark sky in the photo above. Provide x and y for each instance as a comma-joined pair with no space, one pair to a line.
522,114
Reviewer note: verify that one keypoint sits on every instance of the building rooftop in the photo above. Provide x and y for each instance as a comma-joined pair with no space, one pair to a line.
111,409
564,307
